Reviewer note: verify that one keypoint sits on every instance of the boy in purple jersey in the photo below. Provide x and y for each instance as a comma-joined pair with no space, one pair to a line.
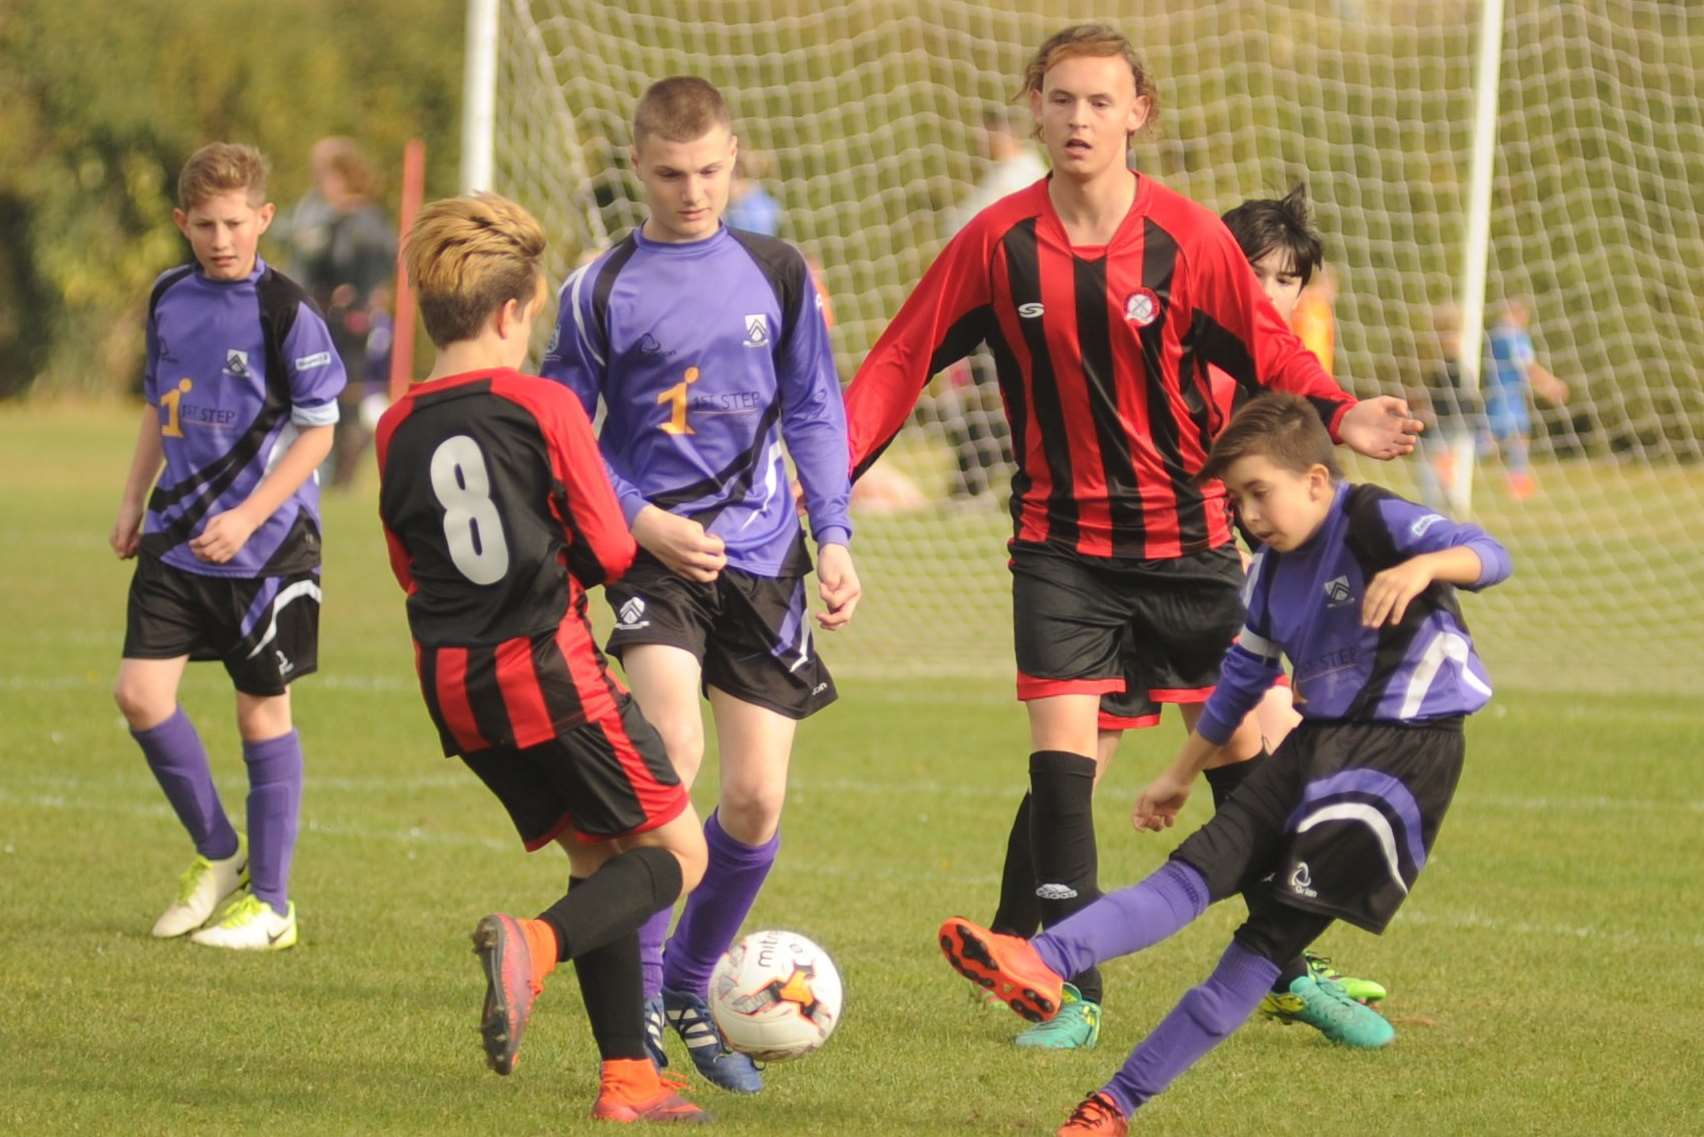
708,348
242,384
1357,587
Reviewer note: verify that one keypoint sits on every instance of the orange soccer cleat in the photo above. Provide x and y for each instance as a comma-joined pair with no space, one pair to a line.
1097,1116
1006,965
630,1089
512,983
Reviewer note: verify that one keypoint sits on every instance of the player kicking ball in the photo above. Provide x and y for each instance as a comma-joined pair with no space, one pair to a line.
242,384
708,349
1356,586
498,517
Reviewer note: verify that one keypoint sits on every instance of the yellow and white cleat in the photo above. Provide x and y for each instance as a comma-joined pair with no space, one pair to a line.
202,889
250,924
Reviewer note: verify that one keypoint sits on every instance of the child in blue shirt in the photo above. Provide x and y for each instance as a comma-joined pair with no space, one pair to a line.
1357,587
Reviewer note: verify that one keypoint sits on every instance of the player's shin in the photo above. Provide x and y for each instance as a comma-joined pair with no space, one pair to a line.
1019,911
610,984
179,763
712,915
1062,840
274,810
614,901
1125,921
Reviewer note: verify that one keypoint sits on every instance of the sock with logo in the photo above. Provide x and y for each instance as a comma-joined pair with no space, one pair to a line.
612,902
1202,1019
712,915
1019,913
179,763
1125,921
274,810
1062,844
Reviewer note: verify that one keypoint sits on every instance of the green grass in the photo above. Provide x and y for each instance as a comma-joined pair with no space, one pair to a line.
1547,977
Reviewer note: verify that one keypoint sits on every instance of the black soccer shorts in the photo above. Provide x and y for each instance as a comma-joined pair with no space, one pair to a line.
265,630
750,634
1139,633
610,777
1338,822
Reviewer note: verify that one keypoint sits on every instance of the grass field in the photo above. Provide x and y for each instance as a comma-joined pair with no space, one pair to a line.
1547,977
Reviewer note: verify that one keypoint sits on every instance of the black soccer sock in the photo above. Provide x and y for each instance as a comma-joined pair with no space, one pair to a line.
1062,843
614,901
1223,781
612,986
1019,913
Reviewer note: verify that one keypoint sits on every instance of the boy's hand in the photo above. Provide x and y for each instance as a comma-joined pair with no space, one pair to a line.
1389,592
1161,802
680,543
837,583
1380,427
126,535
224,536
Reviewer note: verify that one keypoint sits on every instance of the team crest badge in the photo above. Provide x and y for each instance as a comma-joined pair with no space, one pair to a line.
236,362
757,330
1142,307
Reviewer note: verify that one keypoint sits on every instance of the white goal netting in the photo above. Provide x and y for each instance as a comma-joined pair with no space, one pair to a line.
867,122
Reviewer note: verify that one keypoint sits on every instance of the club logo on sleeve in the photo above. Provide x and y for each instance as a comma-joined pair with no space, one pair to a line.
555,340
1301,880
1338,593
650,345
309,362
631,615
1421,524
236,363
757,330
1142,307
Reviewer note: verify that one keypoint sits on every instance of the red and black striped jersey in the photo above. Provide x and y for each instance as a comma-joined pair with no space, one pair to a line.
499,515
1103,356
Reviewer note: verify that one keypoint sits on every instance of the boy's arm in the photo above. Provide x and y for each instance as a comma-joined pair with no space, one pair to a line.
813,423
578,358
145,465
600,548
1246,338
1436,550
316,378
941,322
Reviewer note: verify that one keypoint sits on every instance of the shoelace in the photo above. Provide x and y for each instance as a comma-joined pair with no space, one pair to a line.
1093,1110
1320,965
191,877
240,912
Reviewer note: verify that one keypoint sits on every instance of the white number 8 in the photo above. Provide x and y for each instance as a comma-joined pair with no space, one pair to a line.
473,528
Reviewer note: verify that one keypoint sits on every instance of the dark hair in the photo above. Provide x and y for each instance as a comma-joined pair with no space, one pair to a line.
1283,428
1263,224
681,108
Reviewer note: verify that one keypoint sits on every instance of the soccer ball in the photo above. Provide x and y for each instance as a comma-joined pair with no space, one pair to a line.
775,996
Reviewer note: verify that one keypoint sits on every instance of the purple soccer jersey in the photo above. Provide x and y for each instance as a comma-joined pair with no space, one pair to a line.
707,355
1306,605
235,369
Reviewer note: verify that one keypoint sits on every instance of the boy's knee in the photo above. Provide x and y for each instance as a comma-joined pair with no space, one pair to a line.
683,741
693,857
262,717
143,707
751,812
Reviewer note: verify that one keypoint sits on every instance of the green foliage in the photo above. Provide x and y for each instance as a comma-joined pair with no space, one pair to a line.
101,103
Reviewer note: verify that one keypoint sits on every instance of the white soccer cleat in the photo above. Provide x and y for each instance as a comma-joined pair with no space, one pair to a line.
250,924
203,887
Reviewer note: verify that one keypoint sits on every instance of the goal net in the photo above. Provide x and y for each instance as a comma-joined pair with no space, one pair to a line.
867,120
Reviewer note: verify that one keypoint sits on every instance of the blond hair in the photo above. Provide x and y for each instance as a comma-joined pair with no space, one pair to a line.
467,257
220,167
1098,40
681,108
343,156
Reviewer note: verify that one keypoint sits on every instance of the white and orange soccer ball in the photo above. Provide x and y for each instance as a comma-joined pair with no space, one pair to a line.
775,996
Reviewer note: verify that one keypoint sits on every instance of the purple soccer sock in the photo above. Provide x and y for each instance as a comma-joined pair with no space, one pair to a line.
714,912
274,807
1124,921
1202,1019
179,763
652,933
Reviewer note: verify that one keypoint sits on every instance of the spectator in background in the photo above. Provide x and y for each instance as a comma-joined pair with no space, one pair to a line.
1314,320
969,406
750,206
1452,415
1515,369
343,250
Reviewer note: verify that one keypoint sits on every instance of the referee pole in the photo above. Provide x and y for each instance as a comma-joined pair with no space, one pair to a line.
1477,247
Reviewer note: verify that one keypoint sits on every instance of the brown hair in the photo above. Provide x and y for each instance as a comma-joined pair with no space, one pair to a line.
1097,40
467,257
1282,428
681,108
220,167
343,157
